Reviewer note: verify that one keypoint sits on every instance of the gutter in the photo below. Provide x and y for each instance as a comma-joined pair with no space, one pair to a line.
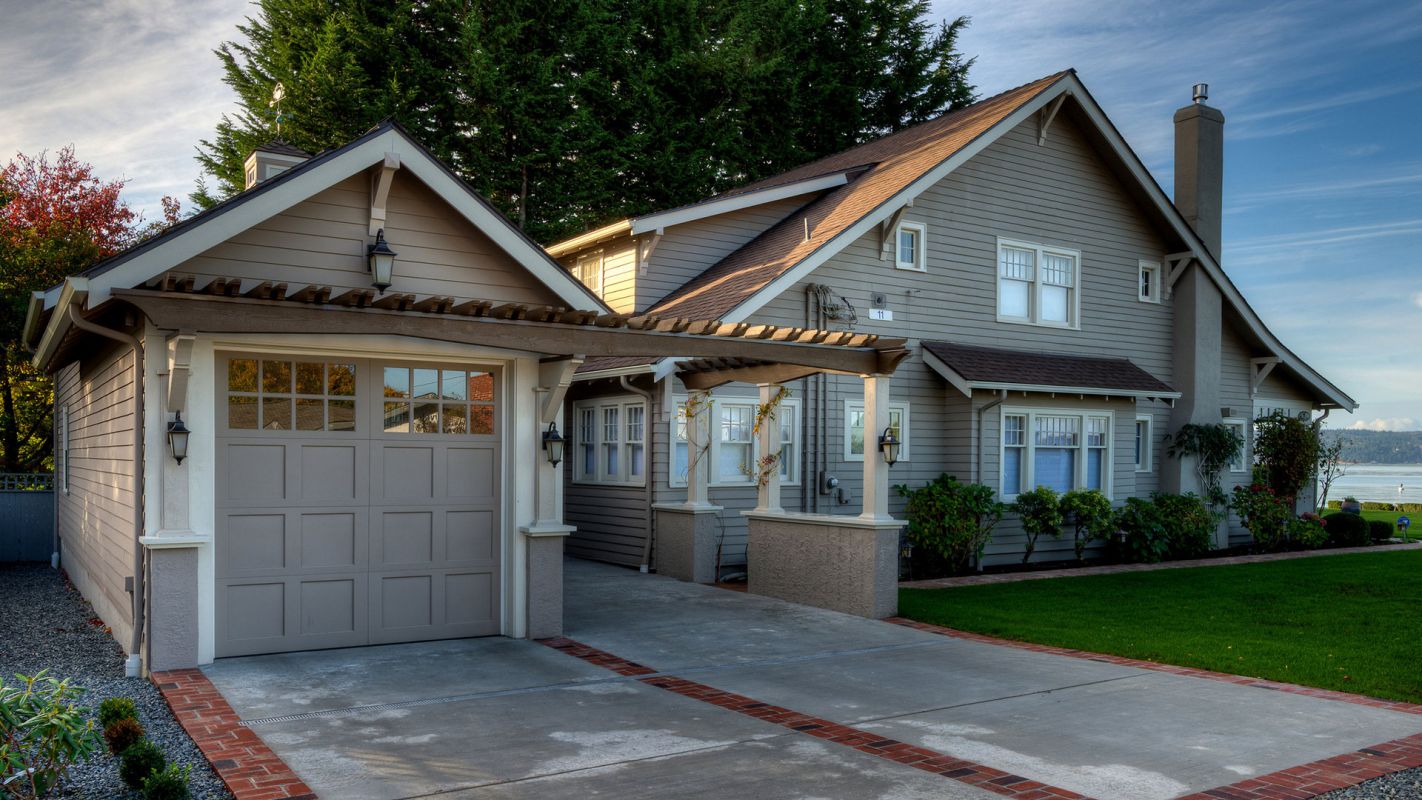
135,659
648,516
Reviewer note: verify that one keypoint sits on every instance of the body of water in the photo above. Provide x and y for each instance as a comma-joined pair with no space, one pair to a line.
1380,482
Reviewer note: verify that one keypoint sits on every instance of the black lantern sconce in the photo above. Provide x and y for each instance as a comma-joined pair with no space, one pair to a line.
889,445
178,437
553,444
382,262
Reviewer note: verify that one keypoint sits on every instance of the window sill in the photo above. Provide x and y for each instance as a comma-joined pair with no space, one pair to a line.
614,484
909,267
1053,325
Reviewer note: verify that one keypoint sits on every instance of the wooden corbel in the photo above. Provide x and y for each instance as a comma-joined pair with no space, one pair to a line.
1260,369
645,248
1049,114
1175,265
180,352
380,190
887,228
555,375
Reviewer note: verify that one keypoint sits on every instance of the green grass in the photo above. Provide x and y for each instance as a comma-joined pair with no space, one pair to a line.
1347,622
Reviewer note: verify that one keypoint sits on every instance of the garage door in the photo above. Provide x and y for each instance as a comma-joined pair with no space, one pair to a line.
357,503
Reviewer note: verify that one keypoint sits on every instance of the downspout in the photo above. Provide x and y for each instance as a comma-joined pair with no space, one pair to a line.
648,516
809,473
131,666
978,433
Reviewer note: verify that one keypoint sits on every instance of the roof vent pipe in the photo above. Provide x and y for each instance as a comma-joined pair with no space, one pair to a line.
1201,92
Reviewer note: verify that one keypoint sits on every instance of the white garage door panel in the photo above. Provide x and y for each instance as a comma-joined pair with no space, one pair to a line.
340,538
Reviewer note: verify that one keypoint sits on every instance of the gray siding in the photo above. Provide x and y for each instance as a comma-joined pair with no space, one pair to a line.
96,515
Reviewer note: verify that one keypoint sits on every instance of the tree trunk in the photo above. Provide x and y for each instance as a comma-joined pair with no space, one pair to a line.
523,200
10,435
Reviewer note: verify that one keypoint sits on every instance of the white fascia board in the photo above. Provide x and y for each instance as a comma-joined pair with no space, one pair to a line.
711,208
32,314
867,223
615,372
72,291
592,237
948,373
1091,391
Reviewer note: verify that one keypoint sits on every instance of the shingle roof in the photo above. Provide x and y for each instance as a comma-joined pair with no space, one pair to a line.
991,365
283,147
893,163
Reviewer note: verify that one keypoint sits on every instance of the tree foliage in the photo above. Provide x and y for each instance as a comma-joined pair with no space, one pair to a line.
568,113
1039,511
950,519
1286,453
1091,517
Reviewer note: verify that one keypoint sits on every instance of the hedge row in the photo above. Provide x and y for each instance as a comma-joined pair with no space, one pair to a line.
1374,505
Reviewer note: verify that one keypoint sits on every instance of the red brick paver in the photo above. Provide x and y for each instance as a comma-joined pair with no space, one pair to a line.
993,780
1240,680
245,764
1321,777
1112,569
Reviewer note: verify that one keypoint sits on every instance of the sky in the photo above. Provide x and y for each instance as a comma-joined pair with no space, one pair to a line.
1323,155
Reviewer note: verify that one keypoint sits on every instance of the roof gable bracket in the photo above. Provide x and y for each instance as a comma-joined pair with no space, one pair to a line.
180,352
380,191
1261,367
555,375
1047,115
887,228
1175,265
645,248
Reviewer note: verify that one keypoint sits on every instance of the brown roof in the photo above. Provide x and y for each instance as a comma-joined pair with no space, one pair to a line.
991,365
616,362
893,163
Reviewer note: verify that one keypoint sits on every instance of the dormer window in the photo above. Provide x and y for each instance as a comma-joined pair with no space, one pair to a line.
589,270
909,243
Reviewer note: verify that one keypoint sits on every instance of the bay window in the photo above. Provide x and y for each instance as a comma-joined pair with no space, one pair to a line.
1062,450
1038,285
610,439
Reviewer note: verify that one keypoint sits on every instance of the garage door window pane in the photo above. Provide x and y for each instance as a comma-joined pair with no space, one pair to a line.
310,378
397,382
310,415
242,413
452,385
276,413
425,385
454,419
276,376
242,375
397,418
426,417
481,386
340,380
340,415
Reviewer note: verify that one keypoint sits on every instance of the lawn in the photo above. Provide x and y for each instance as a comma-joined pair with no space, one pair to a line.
1346,622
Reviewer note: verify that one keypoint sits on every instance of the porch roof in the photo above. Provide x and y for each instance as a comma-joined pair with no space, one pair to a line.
970,367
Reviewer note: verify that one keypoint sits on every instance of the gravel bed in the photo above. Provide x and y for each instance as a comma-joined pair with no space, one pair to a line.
1406,785
46,624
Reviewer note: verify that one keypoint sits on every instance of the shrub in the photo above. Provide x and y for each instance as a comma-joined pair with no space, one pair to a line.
1090,515
1335,504
139,762
1347,530
1286,450
115,709
1189,525
1308,531
1145,535
43,732
1410,508
1374,505
951,519
1380,529
1263,513
1040,512
169,784
122,733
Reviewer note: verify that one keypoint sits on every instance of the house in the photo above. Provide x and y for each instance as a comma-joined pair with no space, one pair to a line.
325,412
1064,316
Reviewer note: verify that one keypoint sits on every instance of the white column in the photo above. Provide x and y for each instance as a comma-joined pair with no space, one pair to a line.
768,442
876,472
698,454
548,479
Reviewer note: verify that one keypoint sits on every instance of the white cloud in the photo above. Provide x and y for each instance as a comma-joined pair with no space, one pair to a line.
1379,424
1417,299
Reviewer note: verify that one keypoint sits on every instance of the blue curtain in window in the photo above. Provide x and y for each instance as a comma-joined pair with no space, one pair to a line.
1053,467
1094,464
1011,470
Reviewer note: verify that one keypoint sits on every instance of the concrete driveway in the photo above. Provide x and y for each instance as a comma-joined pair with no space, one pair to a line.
752,696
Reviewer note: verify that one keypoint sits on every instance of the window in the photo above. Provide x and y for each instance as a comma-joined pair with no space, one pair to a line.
1241,462
272,395
1037,285
610,441
589,271
438,401
909,242
1063,450
855,435
1150,282
1143,444
733,449
61,466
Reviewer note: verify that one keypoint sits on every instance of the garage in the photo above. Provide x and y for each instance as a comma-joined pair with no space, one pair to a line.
357,502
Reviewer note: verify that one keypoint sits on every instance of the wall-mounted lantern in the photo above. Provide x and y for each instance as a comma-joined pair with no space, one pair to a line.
553,444
382,262
178,437
889,445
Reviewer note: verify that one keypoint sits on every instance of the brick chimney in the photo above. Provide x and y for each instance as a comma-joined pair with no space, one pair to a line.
270,160
1199,167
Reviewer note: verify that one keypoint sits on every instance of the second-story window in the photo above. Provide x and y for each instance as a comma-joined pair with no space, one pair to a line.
1038,285
1150,282
909,243
589,271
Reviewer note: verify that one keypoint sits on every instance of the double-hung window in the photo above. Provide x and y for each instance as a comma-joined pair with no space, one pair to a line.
588,269
1062,450
1144,458
734,452
909,242
1038,285
856,439
610,441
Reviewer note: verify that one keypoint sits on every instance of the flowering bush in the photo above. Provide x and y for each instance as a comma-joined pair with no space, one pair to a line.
1308,531
1263,513
1188,522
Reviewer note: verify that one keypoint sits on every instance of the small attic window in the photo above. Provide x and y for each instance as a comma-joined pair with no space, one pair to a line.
909,246
589,270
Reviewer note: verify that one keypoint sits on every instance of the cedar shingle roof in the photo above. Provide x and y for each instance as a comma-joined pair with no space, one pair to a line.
893,163
991,365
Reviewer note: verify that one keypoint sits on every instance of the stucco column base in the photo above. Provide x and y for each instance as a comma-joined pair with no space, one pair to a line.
686,541
841,563
545,580
172,611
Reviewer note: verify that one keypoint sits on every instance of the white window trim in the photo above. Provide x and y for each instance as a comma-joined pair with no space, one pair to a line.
601,478
1147,463
1035,300
1244,448
713,450
63,449
872,441
1030,444
1154,269
920,262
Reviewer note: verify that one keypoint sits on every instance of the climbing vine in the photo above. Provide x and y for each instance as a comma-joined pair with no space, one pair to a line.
697,404
1213,447
768,464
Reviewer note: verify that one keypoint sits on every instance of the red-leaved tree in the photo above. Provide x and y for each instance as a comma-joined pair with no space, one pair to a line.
56,218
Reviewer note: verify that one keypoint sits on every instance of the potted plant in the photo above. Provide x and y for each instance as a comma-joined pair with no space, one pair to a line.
1351,505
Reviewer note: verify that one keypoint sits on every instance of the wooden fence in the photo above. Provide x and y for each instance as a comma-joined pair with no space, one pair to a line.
26,516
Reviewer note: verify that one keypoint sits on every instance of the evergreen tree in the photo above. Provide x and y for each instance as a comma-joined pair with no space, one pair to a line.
570,113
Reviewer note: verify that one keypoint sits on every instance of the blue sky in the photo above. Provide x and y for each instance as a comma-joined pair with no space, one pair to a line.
1323,190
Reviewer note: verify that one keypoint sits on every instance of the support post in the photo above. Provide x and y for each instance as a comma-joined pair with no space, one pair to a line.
767,496
876,472
698,435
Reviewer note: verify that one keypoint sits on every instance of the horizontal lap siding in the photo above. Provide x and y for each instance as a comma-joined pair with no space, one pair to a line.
610,520
95,518
322,241
1235,371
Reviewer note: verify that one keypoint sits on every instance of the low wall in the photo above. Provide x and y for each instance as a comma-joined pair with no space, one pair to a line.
686,541
840,563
